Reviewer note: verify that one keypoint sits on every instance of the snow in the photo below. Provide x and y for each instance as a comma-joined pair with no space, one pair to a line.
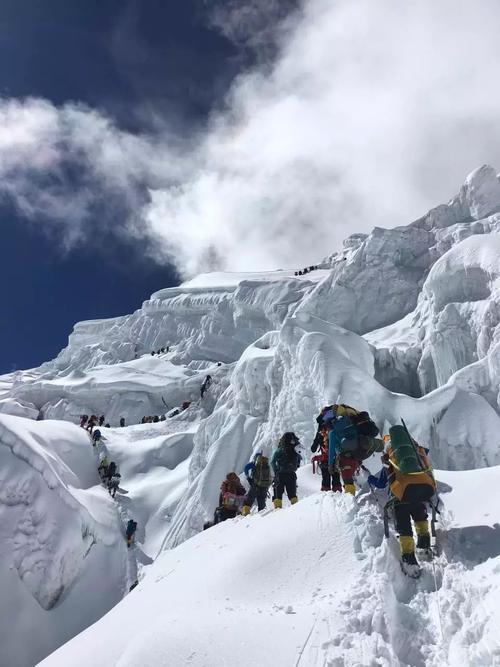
403,323
58,537
311,584
218,279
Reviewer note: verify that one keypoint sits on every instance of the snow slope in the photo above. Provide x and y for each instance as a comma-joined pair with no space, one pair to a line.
314,584
402,322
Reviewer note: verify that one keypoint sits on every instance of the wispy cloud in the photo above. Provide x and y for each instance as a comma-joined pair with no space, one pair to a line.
369,114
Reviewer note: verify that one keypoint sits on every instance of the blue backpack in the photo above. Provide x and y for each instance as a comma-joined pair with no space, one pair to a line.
346,434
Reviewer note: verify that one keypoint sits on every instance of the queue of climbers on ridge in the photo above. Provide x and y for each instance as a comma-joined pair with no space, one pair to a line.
308,269
111,477
344,439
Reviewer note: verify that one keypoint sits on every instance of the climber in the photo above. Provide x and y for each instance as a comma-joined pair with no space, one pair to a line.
408,473
91,423
206,384
112,469
113,483
329,480
83,420
351,439
259,477
103,468
101,420
231,497
122,421
96,437
130,532
285,462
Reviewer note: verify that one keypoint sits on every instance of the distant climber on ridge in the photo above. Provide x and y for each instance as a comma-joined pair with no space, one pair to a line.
103,468
96,437
206,384
122,421
130,532
285,462
259,477
113,483
411,482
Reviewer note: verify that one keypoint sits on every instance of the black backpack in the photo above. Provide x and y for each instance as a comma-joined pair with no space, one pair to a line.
287,460
364,424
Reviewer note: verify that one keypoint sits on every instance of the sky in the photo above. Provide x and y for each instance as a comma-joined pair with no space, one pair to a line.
143,141
130,61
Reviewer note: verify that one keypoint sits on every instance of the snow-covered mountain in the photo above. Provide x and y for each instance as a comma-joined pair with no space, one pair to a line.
402,322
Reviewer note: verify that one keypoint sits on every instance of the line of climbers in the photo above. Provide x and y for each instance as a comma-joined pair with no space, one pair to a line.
260,474
89,423
110,477
308,269
345,438
162,350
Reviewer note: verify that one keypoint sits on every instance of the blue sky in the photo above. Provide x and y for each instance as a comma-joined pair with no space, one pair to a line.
121,57
144,140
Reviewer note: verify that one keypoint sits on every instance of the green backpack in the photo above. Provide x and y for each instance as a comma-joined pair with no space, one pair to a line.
404,451
262,472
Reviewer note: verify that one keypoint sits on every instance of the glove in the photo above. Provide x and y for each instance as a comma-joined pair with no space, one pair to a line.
372,480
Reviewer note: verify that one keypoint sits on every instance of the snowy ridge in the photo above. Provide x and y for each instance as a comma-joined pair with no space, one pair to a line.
316,580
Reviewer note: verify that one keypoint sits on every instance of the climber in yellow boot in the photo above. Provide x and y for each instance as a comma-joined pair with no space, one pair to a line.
412,485
284,463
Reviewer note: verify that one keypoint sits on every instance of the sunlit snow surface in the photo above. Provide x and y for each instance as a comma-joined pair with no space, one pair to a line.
402,322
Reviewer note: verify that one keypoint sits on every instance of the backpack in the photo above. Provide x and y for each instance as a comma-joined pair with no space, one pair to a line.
111,469
261,475
287,460
365,425
410,478
231,500
97,435
405,456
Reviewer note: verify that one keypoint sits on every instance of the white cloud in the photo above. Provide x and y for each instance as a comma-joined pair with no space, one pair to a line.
371,113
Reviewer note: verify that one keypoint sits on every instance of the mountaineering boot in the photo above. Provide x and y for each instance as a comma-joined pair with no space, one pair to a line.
423,536
350,488
294,500
325,488
277,503
245,510
337,488
409,563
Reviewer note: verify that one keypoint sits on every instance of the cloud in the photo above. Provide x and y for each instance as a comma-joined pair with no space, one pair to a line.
369,114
